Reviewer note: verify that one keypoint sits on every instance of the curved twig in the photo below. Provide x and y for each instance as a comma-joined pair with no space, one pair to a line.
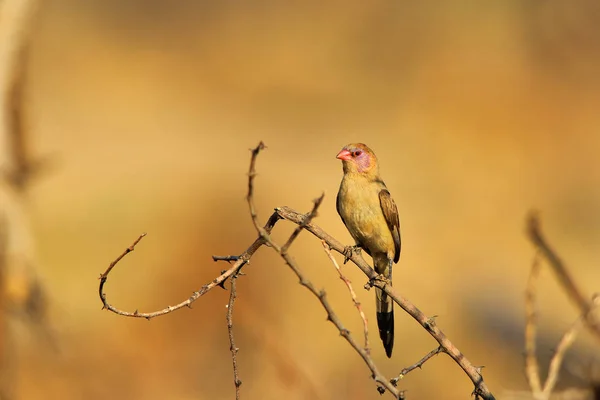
243,259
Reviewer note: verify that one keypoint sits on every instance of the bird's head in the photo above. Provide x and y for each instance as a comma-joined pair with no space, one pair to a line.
358,158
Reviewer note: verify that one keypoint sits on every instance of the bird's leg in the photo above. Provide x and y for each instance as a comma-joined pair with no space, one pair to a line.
385,278
348,250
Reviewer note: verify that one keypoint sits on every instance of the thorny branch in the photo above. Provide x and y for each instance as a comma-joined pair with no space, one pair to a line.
352,294
304,222
331,316
426,322
418,364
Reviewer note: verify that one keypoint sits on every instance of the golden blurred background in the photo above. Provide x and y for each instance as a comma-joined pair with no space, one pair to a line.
478,112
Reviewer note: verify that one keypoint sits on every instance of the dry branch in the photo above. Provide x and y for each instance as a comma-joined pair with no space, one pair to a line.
303,222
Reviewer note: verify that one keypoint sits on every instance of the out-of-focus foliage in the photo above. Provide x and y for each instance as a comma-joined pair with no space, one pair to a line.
477,112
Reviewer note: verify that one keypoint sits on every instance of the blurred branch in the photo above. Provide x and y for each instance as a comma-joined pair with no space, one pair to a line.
352,294
564,344
586,308
532,369
23,294
304,223
562,274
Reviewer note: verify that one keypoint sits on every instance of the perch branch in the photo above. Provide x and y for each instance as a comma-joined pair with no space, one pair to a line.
234,350
426,322
304,221
352,294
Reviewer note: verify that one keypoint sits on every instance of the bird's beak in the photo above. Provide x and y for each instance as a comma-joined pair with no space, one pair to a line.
344,155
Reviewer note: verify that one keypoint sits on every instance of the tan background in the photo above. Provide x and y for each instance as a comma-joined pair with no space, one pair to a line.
477,111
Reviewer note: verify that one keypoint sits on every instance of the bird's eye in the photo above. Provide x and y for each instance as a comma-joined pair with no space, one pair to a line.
357,153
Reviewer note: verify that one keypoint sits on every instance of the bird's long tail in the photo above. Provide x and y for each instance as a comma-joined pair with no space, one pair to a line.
385,320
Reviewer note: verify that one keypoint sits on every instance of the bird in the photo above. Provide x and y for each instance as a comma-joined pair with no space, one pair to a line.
370,214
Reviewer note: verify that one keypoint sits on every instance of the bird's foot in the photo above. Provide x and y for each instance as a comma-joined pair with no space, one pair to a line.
349,250
378,278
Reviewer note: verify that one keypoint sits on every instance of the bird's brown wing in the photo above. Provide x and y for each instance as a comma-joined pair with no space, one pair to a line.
390,212
337,207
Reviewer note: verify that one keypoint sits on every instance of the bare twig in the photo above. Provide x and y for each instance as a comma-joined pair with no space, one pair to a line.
562,274
532,370
234,350
218,281
418,364
352,294
250,196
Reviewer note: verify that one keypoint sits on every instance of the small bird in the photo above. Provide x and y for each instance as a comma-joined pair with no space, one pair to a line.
370,215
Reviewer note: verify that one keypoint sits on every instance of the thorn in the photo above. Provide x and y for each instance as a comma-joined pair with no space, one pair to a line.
430,322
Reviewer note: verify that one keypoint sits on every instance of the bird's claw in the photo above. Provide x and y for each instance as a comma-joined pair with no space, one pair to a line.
348,250
380,278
